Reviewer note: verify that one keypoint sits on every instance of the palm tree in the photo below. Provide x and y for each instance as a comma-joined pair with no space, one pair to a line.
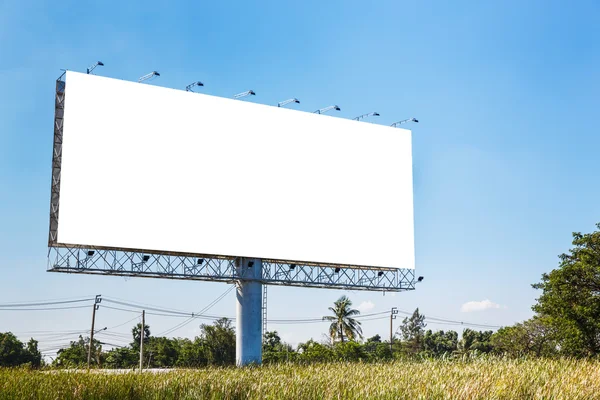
342,322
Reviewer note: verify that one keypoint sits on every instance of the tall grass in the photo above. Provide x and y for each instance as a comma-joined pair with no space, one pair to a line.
430,379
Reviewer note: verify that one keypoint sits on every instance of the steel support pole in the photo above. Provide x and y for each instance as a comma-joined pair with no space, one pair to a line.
142,340
248,346
97,301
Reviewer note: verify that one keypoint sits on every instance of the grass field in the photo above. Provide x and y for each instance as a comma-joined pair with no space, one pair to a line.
475,379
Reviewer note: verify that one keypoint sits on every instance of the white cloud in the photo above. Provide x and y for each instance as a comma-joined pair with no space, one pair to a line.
472,306
366,306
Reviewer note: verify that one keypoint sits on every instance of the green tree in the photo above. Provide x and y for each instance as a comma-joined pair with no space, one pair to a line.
192,353
162,352
342,322
413,332
570,297
136,334
532,337
11,350
122,357
76,354
349,351
274,350
219,342
476,341
33,354
312,351
440,343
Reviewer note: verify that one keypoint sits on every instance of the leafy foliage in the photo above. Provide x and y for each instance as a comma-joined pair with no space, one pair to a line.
76,354
13,352
534,336
342,322
440,343
570,300
219,342
413,332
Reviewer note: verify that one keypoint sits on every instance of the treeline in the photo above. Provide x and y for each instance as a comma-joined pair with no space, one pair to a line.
566,323
215,346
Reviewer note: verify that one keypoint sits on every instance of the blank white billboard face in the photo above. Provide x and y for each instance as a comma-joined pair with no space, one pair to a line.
150,168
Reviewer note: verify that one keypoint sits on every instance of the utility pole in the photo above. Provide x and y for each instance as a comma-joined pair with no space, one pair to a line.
142,340
96,306
393,313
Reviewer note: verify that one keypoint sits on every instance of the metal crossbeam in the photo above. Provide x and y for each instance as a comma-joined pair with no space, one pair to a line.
90,260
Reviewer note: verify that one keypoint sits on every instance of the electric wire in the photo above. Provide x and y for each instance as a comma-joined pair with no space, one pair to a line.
126,322
43,309
209,306
141,307
146,304
44,303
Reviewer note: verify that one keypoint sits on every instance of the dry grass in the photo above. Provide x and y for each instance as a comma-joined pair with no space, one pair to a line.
439,379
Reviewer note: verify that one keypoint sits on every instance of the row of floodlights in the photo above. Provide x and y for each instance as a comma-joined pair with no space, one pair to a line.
200,261
191,86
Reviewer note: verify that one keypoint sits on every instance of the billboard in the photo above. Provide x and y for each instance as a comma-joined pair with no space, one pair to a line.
169,171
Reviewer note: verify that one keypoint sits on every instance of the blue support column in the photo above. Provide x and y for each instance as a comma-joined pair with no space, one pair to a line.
248,349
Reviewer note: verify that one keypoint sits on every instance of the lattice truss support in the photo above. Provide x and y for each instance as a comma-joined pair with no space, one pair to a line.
172,266
59,109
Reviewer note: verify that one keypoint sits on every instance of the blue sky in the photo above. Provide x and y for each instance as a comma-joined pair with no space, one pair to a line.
505,154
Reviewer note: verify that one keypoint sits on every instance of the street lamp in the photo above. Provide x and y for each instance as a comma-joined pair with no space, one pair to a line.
371,114
324,110
189,87
148,76
404,121
288,101
96,64
244,94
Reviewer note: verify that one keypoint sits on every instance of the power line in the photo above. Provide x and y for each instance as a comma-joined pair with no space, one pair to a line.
147,305
44,303
163,310
192,316
210,305
126,322
42,309
43,332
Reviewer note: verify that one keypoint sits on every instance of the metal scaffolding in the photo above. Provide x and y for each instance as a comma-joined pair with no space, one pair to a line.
93,260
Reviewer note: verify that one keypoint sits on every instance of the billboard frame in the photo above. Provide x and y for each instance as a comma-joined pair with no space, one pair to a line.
80,258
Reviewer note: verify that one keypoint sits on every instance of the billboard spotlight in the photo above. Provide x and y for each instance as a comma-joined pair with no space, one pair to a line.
96,64
404,121
324,110
200,261
189,87
148,76
371,114
244,94
288,101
